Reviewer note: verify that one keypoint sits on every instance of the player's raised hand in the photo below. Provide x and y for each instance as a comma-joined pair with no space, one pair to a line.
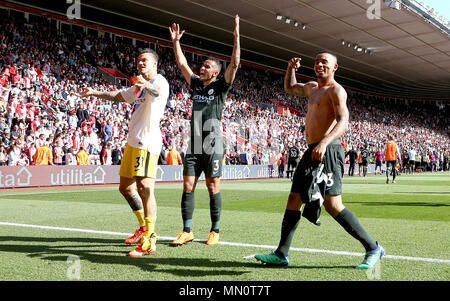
85,92
295,63
139,82
236,26
175,33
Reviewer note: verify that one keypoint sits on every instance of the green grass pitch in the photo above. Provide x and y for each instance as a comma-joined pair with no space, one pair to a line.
76,234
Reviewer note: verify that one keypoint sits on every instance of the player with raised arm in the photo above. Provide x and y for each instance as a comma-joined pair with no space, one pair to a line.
139,163
205,150
318,177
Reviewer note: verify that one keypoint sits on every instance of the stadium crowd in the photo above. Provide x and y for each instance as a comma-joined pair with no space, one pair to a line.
42,118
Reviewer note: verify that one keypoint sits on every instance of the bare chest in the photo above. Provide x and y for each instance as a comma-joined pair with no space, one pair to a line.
319,100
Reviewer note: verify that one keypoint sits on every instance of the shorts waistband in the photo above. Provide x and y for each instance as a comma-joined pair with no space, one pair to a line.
335,142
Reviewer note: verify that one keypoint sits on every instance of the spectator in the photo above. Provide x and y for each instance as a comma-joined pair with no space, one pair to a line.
116,155
70,157
13,155
58,153
82,157
43,155
107,154
3,157
173,157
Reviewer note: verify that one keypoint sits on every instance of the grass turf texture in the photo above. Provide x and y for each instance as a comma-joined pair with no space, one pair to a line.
410,218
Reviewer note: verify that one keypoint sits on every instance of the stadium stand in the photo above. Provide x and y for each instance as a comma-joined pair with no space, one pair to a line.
41,71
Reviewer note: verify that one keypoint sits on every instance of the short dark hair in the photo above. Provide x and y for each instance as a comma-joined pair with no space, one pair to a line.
216,61
151,51
328,52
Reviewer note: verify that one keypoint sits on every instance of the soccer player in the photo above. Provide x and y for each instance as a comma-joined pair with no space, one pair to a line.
365,159
318,177
205,150
391,155
139,163
294,158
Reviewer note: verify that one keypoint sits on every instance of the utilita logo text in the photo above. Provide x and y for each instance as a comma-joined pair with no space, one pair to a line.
78,177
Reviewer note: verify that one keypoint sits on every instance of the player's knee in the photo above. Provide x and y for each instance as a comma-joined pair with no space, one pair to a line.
141,188
189,184
145,185
145,191
213,190
188,187
125,190
213,185
294,202
333,207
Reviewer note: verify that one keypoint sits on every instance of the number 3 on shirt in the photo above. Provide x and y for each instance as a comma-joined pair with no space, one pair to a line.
139,161
216,166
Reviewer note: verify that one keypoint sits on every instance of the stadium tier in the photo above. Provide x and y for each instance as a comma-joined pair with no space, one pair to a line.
42,69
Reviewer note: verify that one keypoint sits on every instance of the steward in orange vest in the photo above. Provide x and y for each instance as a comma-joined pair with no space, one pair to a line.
82,157
173,157
43,156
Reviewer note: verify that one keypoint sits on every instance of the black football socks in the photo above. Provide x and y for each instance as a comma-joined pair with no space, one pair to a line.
187,210
290,222
351,224
215,207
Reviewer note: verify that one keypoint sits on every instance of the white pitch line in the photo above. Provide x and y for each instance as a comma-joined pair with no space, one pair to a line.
435,260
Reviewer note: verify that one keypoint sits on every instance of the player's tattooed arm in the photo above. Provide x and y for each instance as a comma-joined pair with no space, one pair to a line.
107,95
150,87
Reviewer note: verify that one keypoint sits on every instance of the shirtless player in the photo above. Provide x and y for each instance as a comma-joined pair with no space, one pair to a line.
319,173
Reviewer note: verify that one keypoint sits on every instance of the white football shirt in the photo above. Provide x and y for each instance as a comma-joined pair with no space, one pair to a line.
143,130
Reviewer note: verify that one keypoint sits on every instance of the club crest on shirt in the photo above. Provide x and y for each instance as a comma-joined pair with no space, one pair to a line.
141,99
